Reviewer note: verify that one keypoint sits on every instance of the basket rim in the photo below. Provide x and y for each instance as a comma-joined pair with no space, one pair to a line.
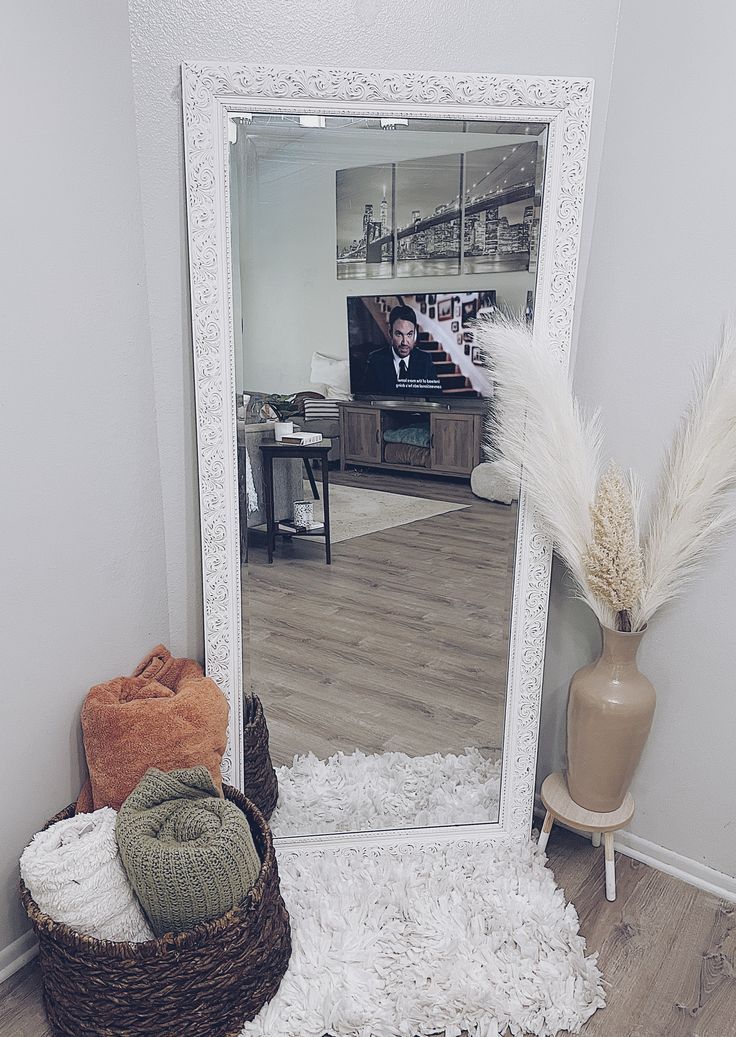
188,939
253,711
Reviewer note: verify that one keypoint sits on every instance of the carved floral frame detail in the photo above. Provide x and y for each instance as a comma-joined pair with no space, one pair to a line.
211,91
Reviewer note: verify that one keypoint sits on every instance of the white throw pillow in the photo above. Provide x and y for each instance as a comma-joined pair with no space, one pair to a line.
330,372
486,481
336,394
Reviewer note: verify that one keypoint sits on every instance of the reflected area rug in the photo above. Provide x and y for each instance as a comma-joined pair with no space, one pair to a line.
413,941
355,512
359,792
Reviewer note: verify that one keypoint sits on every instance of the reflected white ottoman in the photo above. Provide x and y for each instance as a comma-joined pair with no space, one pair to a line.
488,482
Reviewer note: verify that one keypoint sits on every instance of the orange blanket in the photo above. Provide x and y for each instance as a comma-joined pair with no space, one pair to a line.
167,715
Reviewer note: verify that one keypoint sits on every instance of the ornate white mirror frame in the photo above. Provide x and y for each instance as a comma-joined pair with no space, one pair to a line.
211,92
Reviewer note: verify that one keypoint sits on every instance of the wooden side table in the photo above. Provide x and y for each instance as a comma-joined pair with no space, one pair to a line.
560,807
319,451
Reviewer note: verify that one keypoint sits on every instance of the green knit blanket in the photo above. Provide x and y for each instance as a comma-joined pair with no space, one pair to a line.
188,853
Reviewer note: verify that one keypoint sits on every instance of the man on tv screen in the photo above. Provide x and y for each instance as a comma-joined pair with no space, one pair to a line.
400,369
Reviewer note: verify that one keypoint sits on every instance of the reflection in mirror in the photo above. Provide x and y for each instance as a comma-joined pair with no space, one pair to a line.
377,543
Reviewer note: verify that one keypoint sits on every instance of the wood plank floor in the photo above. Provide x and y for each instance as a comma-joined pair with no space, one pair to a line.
667,952
401,644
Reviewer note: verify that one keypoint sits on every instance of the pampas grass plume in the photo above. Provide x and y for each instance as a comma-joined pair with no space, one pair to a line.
539,427
694,505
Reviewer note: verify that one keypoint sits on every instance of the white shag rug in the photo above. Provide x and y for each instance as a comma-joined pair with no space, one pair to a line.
355,792
355,512
412,941
408,941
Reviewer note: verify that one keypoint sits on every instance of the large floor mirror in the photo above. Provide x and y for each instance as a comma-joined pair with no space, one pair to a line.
389,591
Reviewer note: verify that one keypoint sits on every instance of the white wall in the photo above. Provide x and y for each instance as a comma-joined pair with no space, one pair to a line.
662,276
566,37
81,527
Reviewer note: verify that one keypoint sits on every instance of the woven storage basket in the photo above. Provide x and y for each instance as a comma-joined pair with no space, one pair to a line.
205,982
259,777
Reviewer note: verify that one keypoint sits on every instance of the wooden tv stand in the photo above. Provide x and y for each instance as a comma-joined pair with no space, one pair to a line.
455,434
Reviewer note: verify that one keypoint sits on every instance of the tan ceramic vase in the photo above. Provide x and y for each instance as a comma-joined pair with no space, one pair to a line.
609,714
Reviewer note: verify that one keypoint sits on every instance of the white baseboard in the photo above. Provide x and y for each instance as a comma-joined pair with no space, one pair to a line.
659,857
17,954
690,871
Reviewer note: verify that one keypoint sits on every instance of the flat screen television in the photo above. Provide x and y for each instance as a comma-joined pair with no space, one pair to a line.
417,345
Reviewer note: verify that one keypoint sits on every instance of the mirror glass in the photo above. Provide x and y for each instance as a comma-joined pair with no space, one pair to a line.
376,611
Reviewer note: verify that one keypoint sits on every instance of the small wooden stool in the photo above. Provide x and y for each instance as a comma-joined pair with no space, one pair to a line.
560,807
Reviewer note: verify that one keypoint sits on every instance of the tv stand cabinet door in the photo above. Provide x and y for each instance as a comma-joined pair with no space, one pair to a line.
362,434
455,443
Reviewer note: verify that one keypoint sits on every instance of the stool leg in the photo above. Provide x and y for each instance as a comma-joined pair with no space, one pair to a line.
549,820
595,838
610,866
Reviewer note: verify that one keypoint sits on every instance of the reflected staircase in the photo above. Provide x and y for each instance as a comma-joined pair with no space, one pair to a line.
454,383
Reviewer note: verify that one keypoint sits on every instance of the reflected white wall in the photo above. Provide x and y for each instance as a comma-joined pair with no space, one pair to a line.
291,302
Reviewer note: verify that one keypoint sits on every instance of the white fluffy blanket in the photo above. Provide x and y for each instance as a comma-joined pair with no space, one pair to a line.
358,792
74,873
416,941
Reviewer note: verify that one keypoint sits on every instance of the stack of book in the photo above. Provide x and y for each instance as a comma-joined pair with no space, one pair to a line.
289,528
302,438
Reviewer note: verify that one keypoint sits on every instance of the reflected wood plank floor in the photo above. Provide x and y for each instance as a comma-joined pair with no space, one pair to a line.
667,952
401,644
